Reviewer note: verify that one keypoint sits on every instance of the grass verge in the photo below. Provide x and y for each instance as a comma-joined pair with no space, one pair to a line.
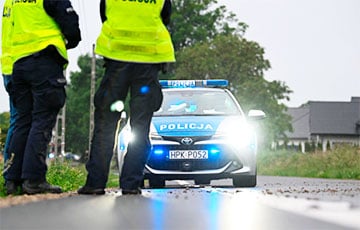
68,175
343,162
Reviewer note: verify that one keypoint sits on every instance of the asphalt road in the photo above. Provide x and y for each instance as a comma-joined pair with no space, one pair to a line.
276,203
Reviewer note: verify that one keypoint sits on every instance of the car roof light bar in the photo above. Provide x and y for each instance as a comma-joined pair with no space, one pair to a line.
193,83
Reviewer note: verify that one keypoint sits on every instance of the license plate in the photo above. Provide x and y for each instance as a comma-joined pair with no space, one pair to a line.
188,154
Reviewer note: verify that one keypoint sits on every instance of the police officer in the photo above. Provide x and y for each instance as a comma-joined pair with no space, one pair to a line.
6,69
135,43
43,31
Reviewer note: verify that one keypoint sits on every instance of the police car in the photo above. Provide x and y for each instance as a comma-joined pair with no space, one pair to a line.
200,133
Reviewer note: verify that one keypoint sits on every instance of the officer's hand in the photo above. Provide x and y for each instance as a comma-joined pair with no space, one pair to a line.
71,44
73,41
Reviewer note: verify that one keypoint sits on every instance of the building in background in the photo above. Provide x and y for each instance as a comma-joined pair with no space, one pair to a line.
324,124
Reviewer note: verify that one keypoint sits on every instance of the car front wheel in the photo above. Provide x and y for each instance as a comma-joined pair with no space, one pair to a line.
156,183
244,181
202,181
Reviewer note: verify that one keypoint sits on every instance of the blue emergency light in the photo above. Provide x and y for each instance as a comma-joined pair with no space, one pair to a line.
194,83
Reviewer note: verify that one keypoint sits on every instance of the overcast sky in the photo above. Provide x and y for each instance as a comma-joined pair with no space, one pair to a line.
313,45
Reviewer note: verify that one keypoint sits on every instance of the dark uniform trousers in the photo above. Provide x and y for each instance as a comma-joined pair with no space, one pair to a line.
39,93
145,98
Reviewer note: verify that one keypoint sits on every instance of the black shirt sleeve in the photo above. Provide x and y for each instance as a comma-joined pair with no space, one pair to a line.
165,12
65,16
102,11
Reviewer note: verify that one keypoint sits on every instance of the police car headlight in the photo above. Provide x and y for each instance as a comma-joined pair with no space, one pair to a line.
238,134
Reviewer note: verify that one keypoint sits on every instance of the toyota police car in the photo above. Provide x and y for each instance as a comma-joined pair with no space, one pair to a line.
200,133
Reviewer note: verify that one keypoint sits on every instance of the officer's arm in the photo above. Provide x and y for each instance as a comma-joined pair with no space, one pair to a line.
65,16
166,12
102,11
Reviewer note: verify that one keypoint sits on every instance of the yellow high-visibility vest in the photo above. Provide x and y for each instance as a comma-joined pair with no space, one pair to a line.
134,32
34,30
7,28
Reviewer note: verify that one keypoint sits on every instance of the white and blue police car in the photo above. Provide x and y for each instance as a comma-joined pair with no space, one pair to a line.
200,133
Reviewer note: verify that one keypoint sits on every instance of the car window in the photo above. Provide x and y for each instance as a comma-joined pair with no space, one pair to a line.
196,102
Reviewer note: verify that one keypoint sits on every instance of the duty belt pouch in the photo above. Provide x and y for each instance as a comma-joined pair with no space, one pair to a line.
56,94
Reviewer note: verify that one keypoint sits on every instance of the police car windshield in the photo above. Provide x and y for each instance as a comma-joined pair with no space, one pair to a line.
196,102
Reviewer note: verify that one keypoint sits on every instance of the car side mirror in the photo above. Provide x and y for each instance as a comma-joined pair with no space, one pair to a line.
256,114
123,115
123,119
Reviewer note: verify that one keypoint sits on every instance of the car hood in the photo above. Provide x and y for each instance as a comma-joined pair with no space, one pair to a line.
188,126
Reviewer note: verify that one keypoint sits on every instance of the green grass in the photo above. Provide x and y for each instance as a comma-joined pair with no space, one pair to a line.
67,175
341,163
71,177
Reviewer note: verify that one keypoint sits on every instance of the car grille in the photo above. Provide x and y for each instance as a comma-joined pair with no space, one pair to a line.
178,139
162,162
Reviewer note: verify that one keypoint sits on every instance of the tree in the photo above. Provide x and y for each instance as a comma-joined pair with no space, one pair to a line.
197,21
241,62
200,21
78,105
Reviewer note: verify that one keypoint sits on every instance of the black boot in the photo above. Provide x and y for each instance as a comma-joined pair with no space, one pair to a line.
34,187
13,187
131,191
86,190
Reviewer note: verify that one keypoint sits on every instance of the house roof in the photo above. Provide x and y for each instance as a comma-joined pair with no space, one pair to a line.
300,122
334,117
326,118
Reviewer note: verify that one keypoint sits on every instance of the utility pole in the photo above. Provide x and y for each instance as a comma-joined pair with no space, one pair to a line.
63,130
58,134
92,93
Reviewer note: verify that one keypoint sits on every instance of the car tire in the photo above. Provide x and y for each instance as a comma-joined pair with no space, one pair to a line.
244,181
156,183
202,181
